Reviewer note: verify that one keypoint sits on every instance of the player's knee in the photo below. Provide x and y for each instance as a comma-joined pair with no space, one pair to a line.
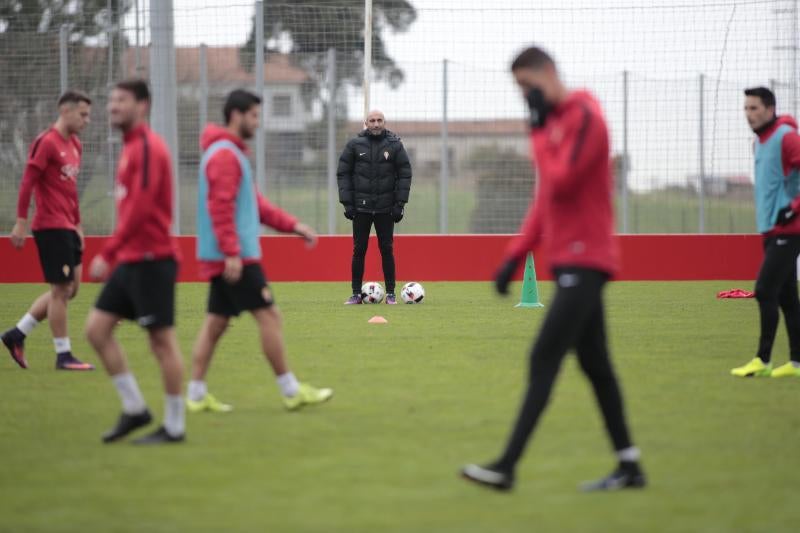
73,290
387,248
61,291
360,250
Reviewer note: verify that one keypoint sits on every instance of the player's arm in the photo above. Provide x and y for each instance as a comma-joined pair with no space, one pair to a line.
584,146
790,157
530,234
276,218
344,177
402,185
34,170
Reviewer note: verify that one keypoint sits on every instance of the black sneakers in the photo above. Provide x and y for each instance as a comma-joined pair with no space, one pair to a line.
628,475
126,424
488,476
14,340
159,436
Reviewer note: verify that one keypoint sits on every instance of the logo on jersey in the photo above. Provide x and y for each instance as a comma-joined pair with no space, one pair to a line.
69,172
120,191
386,155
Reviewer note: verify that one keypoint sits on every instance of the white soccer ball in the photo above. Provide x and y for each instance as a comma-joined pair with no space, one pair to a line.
372,292
412,293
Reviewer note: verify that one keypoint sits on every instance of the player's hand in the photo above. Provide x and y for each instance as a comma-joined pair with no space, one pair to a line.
79,231
98,269
785,215
19,233
538,106
397,213
503,276
233,269
349,212
307,233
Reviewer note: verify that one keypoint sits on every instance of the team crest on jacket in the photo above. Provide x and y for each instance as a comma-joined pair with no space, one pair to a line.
386,155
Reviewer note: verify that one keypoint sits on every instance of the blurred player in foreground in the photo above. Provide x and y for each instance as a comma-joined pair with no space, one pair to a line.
144,257
572,220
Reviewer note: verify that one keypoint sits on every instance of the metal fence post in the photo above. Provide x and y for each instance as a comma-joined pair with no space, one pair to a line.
165,98
445,164
701,226
261,156
332,187
625,154
63,42
203,96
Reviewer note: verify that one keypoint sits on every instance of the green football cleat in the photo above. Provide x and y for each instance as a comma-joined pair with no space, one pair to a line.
786,371
755,368
307,395
208,403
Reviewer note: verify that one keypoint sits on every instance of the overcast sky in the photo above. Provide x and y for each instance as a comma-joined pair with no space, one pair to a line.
665,49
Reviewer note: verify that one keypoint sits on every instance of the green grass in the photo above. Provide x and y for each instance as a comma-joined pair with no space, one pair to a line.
436,387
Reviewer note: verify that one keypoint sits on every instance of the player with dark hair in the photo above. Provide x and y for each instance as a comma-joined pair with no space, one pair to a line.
141,286
230,211
572,220
51,175
777,196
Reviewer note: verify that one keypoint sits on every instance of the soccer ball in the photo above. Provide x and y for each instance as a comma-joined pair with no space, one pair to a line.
412,293
372,293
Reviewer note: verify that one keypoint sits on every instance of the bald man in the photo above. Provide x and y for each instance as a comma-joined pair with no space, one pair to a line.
374,177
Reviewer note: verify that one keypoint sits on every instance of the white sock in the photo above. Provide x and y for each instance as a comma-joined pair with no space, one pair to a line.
27,323
62,344
197,390
796,364
129,393
174,415
629,455
288,384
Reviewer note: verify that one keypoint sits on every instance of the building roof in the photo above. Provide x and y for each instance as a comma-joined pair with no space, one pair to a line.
417,128
223,66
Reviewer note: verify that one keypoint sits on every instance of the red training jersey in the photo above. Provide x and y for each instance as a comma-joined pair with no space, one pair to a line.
143,193
51,175
572,216
224,176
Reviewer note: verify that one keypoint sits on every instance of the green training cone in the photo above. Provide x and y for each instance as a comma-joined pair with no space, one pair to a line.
530,289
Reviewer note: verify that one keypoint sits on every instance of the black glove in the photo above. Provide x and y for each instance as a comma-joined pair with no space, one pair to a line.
785,215
504,274
538,106
349,212
397,213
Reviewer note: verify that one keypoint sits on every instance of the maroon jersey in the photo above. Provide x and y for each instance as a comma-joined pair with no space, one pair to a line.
51,174
144,200
572,217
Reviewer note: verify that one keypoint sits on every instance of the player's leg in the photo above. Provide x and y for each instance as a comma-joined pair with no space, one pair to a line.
562,327
113,304
790,305
362,223
776,266
197,396
270,327
152,291
592,351
384,228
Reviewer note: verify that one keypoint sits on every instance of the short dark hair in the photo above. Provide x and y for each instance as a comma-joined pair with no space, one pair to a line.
241,101
532,57
767,97
136,86
74,96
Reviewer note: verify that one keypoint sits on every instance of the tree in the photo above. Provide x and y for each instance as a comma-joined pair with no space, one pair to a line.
29,61
308,29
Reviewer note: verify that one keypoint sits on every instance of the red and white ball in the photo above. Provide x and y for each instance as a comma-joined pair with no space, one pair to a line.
372,292
412,293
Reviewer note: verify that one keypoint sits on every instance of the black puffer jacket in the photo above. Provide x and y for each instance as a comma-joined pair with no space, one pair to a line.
374,173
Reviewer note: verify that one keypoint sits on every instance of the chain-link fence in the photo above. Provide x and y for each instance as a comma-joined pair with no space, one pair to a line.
670,78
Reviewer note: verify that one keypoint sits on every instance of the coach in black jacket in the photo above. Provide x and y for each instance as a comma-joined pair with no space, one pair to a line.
374,177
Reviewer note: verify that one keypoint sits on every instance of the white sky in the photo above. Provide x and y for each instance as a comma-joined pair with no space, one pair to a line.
665,48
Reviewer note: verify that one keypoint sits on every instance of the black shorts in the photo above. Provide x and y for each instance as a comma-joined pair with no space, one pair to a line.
59,253
143,291
247,294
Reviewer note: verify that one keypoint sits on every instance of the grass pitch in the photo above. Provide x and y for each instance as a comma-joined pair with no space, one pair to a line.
415,399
